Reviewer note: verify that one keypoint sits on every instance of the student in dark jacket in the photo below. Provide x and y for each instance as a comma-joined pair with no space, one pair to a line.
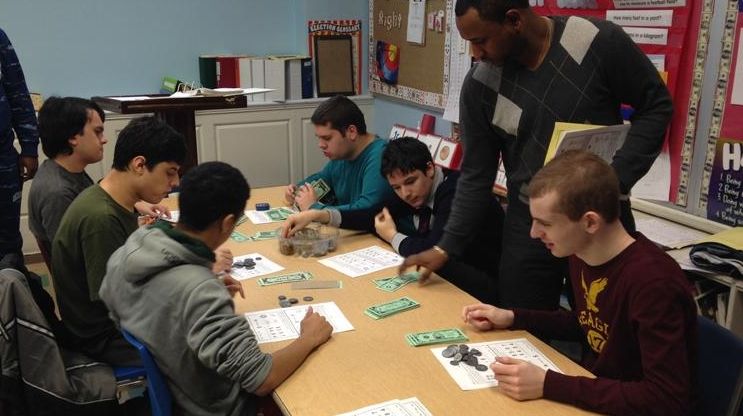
413,220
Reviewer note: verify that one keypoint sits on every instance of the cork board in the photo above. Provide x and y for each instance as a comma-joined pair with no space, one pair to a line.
422,77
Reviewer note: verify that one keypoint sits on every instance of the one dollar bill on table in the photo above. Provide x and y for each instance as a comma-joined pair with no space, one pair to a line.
284,278
439,336
391,284
383,310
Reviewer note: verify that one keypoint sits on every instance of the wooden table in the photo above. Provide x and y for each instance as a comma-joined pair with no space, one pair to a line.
374,363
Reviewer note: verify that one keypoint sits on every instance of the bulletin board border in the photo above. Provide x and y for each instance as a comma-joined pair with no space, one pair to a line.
408,94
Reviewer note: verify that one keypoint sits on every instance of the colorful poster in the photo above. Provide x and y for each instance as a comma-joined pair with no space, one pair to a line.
350,27
724,202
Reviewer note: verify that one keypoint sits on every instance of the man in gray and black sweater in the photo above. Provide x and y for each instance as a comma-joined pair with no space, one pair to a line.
532,72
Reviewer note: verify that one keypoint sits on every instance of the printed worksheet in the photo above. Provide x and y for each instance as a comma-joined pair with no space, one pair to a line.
253,265
407,407
360,262
281,324
469,378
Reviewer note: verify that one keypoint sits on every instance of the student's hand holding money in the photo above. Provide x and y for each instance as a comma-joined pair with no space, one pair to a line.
305,197
289,192
519,379
486,317
385,225
315,328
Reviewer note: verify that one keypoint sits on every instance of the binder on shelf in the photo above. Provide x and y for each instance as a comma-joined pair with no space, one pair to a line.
307,83
208,71
258,76
228,72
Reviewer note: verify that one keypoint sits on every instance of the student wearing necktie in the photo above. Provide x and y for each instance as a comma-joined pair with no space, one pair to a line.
413,220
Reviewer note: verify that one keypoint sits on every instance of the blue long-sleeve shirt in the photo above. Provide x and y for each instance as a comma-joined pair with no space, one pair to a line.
357,183
16,109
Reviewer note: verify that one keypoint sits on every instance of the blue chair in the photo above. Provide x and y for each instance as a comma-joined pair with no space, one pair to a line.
160,400
720,370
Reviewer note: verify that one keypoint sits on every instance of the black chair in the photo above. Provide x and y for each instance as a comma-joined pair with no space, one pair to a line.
720,370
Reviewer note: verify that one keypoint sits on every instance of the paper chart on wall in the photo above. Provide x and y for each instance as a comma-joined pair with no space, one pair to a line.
469,378
281,324
459,64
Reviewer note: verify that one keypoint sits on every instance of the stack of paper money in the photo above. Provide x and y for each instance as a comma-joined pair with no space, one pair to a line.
279,214
396,306
439,336
320,186
284,278
391,284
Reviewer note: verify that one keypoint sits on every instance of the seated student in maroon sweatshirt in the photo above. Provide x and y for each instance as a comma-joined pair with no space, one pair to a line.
633,309
413,219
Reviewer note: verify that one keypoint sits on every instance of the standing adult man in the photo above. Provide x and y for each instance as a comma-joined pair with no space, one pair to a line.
16,115
533,72
355,156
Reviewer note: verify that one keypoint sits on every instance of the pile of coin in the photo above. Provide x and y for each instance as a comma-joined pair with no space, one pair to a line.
247,263
463,354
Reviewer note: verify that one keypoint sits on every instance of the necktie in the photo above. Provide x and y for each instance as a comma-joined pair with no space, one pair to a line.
424,217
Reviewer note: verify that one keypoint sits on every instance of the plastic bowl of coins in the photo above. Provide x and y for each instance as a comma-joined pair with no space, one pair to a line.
314,241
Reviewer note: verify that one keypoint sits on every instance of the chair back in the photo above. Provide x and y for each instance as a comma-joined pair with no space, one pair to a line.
719,370
160,399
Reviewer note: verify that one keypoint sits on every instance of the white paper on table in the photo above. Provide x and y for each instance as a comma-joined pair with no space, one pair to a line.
262,267
736,96
408,407
416,32
468,378
260,217
281,324
364,261
668,233
657,182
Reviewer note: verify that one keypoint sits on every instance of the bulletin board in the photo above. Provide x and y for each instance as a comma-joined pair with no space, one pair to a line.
722,181
422,76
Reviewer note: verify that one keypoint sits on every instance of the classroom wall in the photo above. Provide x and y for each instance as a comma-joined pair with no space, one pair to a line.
388,112
90,48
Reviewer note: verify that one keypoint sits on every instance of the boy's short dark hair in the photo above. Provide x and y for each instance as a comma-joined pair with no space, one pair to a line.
406,154
583,182
60,119
209,192
341,113
151,138
490,10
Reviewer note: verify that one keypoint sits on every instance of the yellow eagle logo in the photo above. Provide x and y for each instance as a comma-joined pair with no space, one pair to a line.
592,292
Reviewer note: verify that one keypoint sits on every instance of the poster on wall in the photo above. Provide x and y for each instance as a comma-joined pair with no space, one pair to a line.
351,27
724,202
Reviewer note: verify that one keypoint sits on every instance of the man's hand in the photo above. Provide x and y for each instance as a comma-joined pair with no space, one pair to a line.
296,222
223,260
315,328
233,285
486,317
27,166
289,194
305,197
430,260
519,379
385,225
152,210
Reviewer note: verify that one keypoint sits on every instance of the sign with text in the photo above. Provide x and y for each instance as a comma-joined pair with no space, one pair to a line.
724,203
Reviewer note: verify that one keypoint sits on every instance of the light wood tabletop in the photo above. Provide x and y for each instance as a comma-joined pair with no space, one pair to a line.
373,363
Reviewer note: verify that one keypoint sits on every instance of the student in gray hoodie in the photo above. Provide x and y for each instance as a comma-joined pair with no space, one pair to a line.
160,287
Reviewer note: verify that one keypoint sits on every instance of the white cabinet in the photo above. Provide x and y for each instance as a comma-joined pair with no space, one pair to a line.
271,143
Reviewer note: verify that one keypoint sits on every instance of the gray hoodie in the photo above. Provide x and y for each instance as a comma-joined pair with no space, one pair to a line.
159,289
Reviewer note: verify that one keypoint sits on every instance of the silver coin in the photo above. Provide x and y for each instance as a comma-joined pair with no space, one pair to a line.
457,357
472,360
308,298
476,352
293,300
448,352
454,362
282,297
481,367
464,348
284,303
